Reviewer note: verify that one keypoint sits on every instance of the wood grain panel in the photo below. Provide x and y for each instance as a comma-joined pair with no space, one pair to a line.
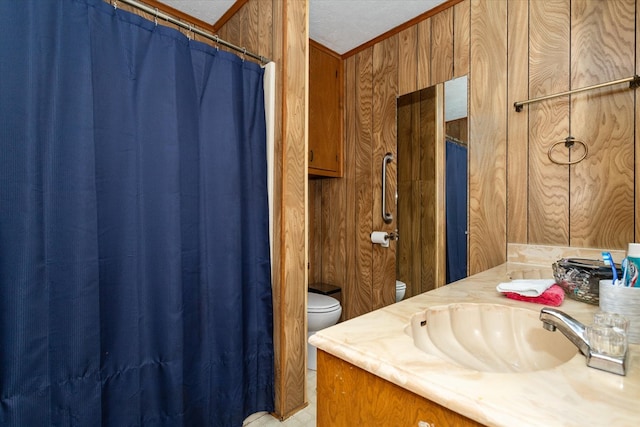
334,247
424,53
487,135
385,81
407,60
431,186
408,260
442,46
293,292
265,28
518,90
461,33
350,396
349,181
440,223
548,122
637,140
360,292
315,231
404,261
601,204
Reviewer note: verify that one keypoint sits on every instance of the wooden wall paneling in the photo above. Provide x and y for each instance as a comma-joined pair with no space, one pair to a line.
518,141
408,255
425,222
385,82
431,186
424,53
326,218
416,203
349,181
407,60
487,131
248,16
440,224
315,231
291,298
334,260
548,122
404,266
602,191
461,33
231,32
457,129
442,46
360,292
265,28
637,139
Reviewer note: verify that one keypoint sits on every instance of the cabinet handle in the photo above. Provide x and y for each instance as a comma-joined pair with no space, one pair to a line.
386,216
310,155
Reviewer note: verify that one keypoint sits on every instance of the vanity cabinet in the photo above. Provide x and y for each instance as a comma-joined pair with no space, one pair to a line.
350,396
325,112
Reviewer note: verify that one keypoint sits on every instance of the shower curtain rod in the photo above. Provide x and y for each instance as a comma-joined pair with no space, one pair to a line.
155,12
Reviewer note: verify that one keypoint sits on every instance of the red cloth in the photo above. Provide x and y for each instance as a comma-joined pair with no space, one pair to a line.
552,296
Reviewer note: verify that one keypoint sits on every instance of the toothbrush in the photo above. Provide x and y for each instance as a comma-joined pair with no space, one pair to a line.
625,271
608,260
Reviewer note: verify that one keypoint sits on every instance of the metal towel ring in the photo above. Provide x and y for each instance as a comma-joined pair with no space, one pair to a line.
568,142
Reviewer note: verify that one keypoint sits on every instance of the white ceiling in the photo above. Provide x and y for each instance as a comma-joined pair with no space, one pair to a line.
340,25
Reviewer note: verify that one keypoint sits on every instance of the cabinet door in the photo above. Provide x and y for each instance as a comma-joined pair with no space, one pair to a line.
350,396
325,113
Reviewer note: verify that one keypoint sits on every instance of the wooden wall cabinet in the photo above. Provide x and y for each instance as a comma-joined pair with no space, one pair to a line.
325,112
350,396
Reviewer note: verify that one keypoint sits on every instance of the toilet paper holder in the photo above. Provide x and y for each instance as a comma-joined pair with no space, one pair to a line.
382,237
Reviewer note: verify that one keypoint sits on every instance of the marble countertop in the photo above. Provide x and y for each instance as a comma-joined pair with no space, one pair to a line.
571,394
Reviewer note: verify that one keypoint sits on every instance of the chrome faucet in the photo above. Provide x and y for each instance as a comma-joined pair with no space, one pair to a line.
553,319
575,331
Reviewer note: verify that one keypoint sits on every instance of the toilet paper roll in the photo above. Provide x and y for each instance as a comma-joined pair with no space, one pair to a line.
381,238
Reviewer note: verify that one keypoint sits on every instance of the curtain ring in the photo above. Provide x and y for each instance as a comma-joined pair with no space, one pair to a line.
568,142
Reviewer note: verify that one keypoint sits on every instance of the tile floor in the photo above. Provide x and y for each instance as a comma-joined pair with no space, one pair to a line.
303,418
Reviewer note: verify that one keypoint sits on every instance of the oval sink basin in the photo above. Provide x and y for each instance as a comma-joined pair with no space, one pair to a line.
489,338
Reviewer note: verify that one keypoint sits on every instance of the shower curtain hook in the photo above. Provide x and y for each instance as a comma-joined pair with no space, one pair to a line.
217,40
156,17
189,34
244,52
115,4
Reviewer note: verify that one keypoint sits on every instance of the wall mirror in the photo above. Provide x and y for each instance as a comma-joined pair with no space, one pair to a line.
432,210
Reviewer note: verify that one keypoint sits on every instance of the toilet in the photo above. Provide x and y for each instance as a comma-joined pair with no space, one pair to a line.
401,287
322,311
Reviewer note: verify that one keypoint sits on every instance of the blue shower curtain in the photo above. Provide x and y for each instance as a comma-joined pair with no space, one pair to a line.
456,206
134,252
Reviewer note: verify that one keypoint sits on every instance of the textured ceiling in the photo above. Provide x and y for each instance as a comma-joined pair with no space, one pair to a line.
340,25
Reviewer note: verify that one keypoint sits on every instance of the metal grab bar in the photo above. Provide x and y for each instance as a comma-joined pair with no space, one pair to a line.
387,217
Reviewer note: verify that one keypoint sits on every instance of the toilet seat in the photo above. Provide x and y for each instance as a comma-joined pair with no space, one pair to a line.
318,303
